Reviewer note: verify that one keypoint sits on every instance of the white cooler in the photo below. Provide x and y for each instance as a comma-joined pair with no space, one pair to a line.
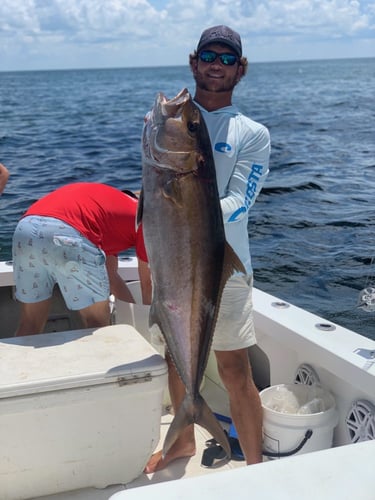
77,409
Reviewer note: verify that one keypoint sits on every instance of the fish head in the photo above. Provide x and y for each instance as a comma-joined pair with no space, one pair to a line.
175,136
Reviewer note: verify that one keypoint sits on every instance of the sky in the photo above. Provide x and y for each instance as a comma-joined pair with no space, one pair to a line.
63,34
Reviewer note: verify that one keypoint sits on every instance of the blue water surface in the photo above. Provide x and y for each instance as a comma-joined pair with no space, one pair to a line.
312,229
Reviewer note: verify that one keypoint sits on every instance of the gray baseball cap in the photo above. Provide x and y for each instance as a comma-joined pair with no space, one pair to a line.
221,34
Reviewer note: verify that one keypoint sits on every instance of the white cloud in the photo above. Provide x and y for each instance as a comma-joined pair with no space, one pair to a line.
308,17
78,18
17,16
102,32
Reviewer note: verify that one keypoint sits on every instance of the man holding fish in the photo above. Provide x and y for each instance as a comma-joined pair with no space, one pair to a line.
204,163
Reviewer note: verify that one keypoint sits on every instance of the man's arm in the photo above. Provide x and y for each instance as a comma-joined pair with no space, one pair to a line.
116,283
4,175
248,177
146,283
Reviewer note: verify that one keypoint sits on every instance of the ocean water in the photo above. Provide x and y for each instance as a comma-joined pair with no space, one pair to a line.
312,229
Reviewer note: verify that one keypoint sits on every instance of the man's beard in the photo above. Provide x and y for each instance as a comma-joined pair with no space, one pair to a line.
226,84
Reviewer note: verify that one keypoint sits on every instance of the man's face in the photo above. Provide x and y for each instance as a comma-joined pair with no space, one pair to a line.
216,76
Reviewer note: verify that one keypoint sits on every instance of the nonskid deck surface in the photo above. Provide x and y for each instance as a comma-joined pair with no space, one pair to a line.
181,468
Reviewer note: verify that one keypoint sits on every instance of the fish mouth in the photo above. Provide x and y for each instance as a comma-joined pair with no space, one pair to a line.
165,134
171,107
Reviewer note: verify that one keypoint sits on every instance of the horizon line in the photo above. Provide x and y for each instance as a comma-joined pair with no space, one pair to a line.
181,65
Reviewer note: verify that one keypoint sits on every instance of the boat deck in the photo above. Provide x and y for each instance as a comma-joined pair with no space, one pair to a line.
181,468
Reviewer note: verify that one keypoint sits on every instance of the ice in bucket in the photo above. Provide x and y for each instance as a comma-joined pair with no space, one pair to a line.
284,400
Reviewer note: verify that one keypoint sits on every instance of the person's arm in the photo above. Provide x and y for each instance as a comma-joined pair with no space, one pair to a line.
146,283
116,283
143,267
248,176
4,175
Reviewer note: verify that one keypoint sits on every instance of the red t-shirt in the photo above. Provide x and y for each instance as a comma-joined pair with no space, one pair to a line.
103,214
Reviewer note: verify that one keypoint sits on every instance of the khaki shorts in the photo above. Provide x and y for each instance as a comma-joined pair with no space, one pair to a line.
235,325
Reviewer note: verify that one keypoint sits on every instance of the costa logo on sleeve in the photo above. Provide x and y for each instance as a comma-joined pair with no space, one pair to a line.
223,147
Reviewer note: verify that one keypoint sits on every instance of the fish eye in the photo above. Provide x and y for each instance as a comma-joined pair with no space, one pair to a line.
192,126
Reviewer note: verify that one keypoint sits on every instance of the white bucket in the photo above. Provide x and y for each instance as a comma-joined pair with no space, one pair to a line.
303,424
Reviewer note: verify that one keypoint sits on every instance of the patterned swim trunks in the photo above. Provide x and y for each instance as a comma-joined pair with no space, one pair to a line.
47,251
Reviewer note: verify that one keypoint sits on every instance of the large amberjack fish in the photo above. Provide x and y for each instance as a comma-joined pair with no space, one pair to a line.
189,257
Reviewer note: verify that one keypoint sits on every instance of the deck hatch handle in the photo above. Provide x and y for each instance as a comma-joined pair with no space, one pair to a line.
134,379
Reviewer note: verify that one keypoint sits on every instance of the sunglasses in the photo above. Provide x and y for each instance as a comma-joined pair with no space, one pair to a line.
209,56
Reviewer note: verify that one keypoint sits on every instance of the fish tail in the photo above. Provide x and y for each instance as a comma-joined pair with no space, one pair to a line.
183,418
206,419
195,411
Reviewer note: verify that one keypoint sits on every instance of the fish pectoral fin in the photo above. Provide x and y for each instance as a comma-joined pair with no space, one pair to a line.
172,191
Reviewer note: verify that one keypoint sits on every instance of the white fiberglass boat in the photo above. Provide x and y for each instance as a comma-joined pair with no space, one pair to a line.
80,409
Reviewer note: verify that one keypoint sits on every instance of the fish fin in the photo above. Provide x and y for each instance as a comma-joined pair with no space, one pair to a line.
207,419
195,411
140,209
172,191
183,418
232,263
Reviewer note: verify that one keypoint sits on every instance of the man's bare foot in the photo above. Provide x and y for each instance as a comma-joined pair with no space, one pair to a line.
157,462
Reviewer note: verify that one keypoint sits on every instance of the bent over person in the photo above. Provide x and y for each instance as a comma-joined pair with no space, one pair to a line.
241,149
72,237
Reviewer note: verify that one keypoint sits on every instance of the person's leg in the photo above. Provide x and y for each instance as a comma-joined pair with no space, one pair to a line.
33,318
81,273
34,283
245,405
96,315
185,444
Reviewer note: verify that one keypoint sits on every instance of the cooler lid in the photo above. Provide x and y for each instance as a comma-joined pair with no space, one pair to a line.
78,358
